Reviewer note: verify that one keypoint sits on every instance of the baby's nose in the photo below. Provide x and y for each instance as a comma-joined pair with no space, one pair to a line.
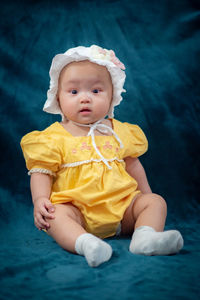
85,98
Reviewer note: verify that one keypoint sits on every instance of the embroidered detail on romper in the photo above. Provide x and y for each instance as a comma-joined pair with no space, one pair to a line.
103,129
85,146
107,145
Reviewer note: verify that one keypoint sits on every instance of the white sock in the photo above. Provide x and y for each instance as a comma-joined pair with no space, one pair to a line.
94,249
147,241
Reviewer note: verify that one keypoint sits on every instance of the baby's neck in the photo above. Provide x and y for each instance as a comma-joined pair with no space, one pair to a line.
79,129
87,125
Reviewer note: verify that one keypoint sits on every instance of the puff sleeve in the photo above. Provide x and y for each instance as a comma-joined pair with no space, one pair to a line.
137,143
41,153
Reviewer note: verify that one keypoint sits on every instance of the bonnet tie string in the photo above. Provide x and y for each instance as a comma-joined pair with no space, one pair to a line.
103,129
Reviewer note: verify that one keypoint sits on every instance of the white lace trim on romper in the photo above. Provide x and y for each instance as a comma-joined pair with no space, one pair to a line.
43,171
82,162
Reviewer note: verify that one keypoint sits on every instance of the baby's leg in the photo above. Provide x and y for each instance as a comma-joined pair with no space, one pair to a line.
67,226
68,230
147,215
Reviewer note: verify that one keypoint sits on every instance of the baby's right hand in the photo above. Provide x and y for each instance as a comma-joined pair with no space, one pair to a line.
43,210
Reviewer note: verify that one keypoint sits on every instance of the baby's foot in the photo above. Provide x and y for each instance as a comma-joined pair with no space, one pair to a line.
94,249
147,241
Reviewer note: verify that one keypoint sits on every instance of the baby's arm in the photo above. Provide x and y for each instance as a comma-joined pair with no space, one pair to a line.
136,170
43,208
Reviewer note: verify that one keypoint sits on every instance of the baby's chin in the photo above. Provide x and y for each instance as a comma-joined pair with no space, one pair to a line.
84,121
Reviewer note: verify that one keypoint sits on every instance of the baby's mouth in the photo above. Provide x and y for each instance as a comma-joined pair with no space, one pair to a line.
85,110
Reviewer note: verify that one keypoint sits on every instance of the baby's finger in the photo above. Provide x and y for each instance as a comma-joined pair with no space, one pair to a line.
41,222
46,214
49,206
37,220
39,226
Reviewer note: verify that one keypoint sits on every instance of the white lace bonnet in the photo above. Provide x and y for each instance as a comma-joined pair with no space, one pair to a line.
96,55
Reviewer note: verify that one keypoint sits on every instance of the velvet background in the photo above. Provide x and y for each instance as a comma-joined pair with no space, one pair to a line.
159,43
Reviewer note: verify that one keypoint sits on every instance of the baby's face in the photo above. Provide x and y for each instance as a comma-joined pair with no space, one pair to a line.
85,92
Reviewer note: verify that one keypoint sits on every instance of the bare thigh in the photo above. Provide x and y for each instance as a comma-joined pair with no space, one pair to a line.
128,222
63,210
67,225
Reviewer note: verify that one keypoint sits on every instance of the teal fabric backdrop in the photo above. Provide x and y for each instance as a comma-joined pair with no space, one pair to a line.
159,43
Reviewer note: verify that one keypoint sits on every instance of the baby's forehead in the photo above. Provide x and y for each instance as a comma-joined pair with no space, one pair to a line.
76,71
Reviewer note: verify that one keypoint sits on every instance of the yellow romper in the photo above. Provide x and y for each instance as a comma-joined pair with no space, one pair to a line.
80,176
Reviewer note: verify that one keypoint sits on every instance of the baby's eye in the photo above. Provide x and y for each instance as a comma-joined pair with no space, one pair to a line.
95,91
74,92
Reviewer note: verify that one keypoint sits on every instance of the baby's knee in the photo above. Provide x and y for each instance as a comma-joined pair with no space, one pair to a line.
159,201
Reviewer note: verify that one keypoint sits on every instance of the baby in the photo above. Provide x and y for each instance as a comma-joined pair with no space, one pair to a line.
87,182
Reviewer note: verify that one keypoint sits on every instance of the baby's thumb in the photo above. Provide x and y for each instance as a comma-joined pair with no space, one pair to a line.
50,207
